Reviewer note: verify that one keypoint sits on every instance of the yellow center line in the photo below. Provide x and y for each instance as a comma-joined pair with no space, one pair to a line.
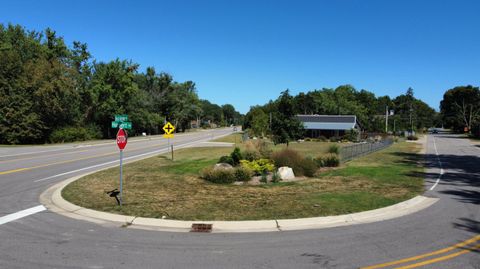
30,158
439,259
414,258
13,171
70,161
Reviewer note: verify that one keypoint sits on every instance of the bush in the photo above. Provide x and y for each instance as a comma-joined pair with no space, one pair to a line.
251,154
287,157
334,139
309,167
334,149
258,166
352,135
219,176
276,177
328,160
236,156
243,174
258,147
226,159
301,166
412,137
264,178
322,138
72,134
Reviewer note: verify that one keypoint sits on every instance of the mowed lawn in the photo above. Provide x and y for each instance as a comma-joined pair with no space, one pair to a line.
158,187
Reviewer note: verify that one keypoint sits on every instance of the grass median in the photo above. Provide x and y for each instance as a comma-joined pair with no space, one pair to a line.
158,187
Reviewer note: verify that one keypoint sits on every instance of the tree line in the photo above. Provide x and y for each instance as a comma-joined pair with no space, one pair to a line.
409,113
50,92
460,109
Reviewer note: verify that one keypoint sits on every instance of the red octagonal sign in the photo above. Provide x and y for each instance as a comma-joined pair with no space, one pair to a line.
121,139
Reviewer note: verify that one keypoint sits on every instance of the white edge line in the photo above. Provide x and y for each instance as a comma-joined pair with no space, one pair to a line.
128,158
440,164
22,214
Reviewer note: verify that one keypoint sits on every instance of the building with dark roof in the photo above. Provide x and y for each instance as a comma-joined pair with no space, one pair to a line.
329,125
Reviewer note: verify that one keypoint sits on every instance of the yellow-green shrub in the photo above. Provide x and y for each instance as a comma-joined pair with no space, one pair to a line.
258,166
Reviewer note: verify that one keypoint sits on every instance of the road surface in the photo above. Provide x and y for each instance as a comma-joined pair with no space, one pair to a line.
444,235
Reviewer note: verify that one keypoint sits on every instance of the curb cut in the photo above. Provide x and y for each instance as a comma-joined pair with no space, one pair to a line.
53,201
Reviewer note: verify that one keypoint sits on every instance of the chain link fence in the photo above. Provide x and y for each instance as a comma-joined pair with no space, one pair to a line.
351,152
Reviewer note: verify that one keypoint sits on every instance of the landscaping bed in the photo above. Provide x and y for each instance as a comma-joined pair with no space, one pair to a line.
158,187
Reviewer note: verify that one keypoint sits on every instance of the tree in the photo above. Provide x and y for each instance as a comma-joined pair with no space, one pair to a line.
285,126
228,113
47,87
258,121
460,107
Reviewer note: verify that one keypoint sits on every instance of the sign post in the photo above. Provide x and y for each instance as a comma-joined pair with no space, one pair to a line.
121,143
168,128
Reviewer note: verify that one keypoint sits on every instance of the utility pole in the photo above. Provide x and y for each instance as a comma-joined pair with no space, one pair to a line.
411,122
386,120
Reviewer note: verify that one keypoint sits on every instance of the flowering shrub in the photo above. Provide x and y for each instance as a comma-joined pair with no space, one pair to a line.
258,166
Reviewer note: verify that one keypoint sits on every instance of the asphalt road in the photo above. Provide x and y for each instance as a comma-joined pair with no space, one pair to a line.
48,240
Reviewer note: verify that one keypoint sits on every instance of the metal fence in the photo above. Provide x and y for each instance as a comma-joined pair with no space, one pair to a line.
348,153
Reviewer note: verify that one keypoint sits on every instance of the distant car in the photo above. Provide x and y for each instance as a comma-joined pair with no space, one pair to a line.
434,131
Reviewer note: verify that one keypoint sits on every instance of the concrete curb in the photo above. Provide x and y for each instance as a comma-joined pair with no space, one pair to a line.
53,200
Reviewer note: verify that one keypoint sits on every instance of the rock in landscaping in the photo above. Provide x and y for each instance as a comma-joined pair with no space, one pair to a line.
225,166
286,173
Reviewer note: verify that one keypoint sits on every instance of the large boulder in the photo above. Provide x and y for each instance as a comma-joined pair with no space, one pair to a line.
224,166
286,173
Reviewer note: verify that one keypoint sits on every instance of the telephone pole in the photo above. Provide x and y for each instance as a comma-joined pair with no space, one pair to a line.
386,120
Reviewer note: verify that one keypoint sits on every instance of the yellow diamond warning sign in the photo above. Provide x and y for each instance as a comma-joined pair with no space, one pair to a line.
168,128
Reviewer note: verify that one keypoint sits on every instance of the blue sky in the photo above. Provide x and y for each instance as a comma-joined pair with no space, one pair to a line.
247,52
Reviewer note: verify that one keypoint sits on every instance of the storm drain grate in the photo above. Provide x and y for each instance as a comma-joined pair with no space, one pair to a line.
201,228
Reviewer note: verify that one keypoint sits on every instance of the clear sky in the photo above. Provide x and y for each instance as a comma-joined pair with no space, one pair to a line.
247,52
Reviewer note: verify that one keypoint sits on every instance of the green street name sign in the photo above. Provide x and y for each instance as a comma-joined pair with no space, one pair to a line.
126,125
121,118
123,125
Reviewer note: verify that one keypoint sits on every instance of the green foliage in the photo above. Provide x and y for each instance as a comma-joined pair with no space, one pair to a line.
346,100
251,154
334,139
328,160
236,156
460,108
258,166
264,178
219,176
333,149
257,122
309,167
47,87
243,173
71,134
276,177
226,159
351,135
285,126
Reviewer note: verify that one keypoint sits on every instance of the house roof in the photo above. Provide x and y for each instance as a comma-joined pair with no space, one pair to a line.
328,122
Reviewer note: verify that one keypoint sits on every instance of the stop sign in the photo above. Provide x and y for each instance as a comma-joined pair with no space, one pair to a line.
121,139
